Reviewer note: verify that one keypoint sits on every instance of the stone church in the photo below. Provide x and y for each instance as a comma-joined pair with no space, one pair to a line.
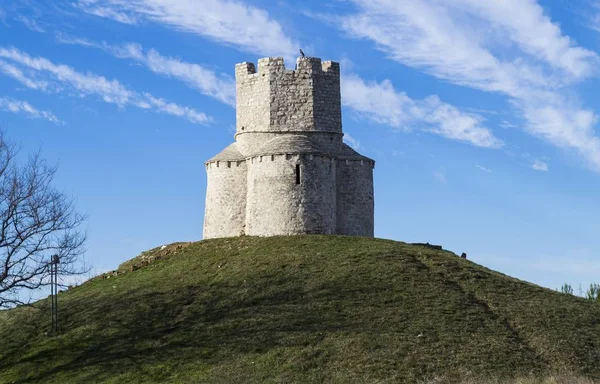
288,171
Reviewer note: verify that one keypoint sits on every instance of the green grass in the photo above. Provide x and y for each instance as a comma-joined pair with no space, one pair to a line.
305,309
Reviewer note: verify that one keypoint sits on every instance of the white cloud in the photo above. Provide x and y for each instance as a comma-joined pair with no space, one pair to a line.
539,165
439,118
591,15
381,103
174,109
508,47
68,39
17,106
110,91
17,74
351,141
507,124
484,169
244,26
566,128
31,24
107,12
527,25
445,39
424,35
194,75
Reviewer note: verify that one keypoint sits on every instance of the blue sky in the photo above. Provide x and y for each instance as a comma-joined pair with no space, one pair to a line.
482,116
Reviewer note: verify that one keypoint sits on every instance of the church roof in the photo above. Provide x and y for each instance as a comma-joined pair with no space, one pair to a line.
347,153
289,144
230,153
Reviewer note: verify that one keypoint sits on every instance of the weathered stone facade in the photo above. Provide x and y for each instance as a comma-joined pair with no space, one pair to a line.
288,171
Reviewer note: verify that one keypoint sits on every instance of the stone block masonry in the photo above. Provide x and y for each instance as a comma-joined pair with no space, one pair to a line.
288,171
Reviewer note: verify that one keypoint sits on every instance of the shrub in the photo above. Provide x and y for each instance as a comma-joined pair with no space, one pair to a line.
593,291
566,288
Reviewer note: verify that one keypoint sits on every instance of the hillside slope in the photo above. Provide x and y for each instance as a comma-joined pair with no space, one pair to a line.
300,309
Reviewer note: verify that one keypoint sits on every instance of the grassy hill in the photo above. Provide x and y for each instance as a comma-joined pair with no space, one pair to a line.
309,309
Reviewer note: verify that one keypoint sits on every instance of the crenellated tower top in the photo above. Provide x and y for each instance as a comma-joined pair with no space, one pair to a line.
276,99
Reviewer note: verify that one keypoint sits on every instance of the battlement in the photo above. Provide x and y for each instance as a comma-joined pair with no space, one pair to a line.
323,158
245,68
271,98
275,65
294,156
225,164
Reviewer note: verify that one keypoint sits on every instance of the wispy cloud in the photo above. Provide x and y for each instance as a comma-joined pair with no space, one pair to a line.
109,12
172,109
111,91
17,74
525,21
507,124
482,168
442,38
194,75
87,84
381,103
23,107
590,13
522,54
73,40
539,165
440,118
351,141
30,23
244,26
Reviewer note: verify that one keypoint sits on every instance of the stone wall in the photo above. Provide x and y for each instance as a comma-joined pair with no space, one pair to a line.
355,203
225,209
276,99
252,99
292,100
328,99
278,205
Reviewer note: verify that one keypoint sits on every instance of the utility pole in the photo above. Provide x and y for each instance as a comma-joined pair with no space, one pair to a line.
54,291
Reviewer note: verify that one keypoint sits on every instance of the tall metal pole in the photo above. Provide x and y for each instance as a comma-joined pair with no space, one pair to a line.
56,261
54,291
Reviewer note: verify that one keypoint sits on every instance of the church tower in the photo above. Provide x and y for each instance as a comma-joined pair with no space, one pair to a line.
288,171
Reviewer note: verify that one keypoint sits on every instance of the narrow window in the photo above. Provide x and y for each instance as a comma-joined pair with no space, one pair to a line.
297,173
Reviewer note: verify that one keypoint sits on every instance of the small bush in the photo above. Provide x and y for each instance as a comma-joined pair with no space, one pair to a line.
566,288
593,291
